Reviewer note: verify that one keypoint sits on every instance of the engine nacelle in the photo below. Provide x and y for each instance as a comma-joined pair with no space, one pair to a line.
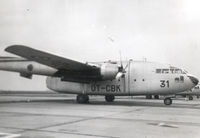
109,71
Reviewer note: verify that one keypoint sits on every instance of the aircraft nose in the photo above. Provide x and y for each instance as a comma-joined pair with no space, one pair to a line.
193,79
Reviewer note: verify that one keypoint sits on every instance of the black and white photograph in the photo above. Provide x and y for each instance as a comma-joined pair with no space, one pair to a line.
99,69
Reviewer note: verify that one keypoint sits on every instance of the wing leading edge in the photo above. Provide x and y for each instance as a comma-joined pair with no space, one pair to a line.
68,69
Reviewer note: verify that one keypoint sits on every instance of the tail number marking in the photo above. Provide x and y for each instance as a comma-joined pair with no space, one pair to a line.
107,88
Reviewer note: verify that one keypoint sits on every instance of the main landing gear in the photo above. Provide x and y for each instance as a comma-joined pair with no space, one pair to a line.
167,101
156,96
109,98
82,98
150,96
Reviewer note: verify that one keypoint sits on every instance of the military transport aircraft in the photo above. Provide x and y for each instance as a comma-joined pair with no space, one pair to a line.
109,78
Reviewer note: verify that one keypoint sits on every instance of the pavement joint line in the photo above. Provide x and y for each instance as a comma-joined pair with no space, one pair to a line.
76,121
85,118
65,123
103,117
50,131
133,120
145,120
35,114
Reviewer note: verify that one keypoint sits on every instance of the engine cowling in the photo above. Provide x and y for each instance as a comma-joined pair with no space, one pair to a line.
109,71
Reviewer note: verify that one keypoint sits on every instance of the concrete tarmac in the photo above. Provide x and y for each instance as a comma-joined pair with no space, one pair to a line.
50,116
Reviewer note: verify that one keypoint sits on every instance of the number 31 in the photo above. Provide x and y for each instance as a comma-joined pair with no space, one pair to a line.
164,83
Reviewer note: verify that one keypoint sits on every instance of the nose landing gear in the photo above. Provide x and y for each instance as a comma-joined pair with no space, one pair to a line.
167,101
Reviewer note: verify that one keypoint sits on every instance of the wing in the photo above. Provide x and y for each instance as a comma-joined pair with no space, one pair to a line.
67,69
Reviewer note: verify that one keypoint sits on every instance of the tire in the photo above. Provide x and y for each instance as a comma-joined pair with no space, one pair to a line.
82,98
167,101
148,96
156,96
190,98
109,98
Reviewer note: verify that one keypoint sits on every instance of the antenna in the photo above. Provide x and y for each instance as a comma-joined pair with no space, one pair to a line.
120,56
121,65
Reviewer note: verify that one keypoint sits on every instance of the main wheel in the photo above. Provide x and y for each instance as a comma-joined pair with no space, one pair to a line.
82,98
190,98
167,101
109,98
197,96
156,96
148,96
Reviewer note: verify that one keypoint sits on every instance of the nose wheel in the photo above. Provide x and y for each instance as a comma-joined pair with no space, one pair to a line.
109,98
82,98
190,98
167,101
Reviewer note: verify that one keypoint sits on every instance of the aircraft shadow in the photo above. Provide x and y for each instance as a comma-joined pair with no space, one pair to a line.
115,103
146,104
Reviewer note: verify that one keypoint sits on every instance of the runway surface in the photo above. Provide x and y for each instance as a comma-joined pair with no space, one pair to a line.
59,116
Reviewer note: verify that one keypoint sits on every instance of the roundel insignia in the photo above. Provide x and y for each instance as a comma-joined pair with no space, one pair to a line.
30,67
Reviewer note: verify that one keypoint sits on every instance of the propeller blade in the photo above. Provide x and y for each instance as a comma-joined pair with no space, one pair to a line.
119,75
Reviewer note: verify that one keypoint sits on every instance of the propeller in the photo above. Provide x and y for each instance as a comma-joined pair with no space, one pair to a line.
121,69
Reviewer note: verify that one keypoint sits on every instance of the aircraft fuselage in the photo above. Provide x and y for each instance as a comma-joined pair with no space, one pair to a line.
140,78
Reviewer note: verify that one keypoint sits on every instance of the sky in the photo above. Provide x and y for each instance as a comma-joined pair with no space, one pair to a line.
165,31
